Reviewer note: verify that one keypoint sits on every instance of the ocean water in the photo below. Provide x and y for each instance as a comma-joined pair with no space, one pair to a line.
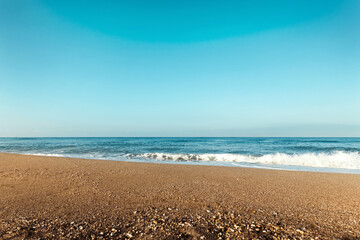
306,154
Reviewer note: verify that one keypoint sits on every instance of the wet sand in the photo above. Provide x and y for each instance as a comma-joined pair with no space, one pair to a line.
50,197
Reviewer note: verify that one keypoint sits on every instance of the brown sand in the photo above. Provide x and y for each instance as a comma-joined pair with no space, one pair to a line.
49,197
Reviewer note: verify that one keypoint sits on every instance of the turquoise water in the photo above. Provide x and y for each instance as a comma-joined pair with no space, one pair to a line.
306,154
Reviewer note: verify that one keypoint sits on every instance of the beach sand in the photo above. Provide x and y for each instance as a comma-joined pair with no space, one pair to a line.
50,197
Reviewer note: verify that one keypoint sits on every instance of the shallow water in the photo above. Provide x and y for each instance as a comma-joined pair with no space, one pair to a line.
307,154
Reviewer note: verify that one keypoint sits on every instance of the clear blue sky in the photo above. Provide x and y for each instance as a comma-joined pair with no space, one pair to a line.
180,68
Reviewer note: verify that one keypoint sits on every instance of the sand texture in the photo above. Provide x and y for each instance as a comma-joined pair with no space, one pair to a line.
65,198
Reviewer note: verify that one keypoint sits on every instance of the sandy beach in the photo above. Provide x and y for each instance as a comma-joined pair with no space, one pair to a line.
50,197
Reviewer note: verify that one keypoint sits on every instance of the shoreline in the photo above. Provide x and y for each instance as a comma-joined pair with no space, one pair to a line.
290,168
86,197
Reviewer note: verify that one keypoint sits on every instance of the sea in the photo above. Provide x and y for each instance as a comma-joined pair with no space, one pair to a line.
340,155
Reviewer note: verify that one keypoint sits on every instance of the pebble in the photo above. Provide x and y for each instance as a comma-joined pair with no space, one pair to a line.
155,223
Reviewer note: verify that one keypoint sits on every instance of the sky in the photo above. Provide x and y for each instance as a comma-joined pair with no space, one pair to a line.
180,68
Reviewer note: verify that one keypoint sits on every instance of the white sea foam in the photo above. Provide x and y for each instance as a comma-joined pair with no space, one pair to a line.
46,154
337,159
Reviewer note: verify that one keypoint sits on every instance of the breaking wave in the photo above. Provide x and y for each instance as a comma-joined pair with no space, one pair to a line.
336,159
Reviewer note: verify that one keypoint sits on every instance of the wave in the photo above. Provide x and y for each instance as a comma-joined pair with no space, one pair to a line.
321,141
337,159
328,149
